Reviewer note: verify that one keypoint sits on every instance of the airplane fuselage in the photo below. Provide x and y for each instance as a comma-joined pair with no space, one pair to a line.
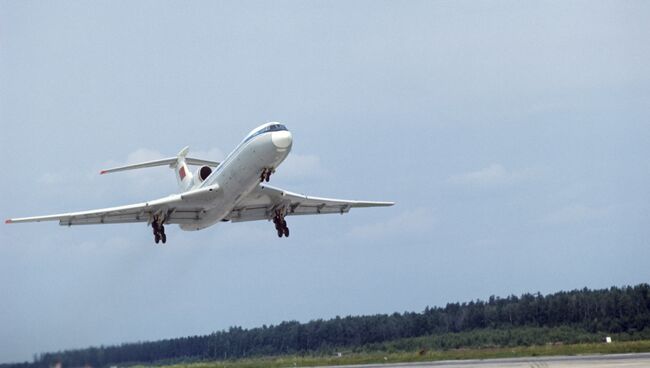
263,149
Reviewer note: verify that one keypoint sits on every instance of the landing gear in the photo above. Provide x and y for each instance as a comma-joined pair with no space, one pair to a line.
280,224
158,231
266,175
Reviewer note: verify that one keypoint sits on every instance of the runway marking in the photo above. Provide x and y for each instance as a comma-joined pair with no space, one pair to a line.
634,360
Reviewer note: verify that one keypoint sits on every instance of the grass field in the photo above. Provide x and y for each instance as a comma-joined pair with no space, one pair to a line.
416,356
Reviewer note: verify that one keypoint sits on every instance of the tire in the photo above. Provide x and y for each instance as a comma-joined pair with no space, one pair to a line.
280,233
286,232
164,238
157,239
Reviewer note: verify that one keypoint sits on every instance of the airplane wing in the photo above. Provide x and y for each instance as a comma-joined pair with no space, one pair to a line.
262,202
174,209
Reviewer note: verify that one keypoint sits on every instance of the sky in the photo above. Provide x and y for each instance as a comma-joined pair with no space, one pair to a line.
513,136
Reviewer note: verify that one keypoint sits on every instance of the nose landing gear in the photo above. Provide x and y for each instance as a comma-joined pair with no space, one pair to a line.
158,231
266,174
280,224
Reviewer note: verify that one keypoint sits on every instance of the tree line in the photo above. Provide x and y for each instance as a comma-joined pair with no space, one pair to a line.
611,311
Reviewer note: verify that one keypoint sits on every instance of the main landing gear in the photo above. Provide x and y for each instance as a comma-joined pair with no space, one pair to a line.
266,174
158,231
280,224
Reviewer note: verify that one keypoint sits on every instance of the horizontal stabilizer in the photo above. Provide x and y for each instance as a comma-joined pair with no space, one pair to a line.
166,161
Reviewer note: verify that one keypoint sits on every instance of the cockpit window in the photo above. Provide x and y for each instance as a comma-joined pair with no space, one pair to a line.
268,128
273,128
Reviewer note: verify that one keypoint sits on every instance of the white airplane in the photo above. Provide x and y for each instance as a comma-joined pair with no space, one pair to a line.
232,192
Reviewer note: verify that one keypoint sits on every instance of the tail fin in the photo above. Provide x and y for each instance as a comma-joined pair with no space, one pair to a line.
183,174
178,164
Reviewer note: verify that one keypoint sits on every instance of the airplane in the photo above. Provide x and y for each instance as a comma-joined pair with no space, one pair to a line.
231,192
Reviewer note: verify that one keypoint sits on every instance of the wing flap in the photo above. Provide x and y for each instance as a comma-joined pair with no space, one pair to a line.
173,208
177,217
263,201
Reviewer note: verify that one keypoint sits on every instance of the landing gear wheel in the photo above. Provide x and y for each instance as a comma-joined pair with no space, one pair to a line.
158,230
280,224
266,175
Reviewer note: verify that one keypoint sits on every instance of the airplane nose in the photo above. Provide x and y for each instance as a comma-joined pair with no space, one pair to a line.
281,139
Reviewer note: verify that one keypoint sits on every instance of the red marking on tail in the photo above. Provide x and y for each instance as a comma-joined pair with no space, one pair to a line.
7,221
102,172
181,172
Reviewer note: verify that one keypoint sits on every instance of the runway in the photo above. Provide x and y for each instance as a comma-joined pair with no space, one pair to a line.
638,360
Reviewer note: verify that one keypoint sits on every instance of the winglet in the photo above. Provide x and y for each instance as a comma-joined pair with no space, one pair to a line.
102,172
7,221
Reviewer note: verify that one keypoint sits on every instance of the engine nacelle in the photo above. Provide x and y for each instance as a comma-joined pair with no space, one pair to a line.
202,173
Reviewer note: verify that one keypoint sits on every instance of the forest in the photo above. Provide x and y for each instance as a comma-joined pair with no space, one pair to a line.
514,320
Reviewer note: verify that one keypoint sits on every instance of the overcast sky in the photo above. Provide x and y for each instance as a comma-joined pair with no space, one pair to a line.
514,137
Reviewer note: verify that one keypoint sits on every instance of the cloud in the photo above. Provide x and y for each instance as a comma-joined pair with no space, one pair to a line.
65,175
418,220
54,178
298,166
490,176
143,154
140,182
214,154
242,234
574,213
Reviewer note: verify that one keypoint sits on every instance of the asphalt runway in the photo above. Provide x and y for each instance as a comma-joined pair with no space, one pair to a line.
599,361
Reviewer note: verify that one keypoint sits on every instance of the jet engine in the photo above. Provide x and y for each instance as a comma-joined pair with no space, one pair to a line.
202,173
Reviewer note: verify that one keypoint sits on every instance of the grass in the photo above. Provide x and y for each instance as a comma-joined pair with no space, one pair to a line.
419,356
